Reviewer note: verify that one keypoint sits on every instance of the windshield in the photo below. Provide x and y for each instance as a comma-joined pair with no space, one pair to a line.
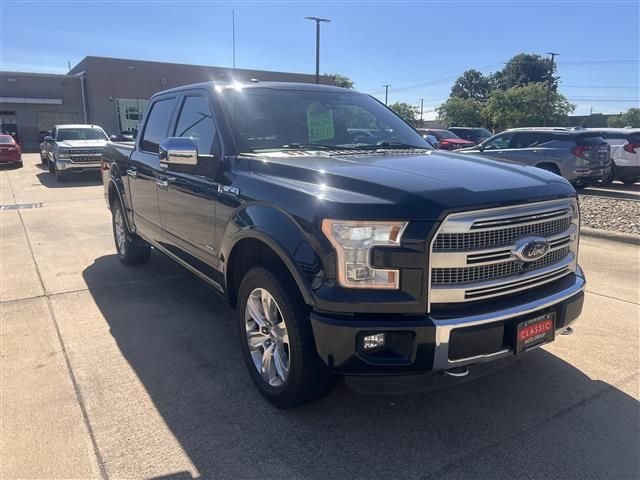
444,134
81,134
276,119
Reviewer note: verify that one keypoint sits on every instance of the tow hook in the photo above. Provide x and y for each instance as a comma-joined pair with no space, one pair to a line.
567,331
457,372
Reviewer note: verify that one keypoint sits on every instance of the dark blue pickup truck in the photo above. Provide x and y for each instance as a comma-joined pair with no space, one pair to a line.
345,242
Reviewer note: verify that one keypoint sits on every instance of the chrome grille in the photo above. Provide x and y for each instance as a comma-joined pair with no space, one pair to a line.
95,151
449,276
477,255
494,238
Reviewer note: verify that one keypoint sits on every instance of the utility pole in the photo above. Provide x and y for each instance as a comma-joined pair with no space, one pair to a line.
549,83
386,94
318,21
421,110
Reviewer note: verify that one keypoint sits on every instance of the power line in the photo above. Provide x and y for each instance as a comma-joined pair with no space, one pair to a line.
599,86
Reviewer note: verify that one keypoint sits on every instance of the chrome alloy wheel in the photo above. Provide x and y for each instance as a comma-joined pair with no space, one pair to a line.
121,234
267,337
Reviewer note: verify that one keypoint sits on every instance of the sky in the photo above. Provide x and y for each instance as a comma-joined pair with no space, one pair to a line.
418,47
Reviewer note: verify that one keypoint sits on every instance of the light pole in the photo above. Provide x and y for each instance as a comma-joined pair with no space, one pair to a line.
386,93
318,20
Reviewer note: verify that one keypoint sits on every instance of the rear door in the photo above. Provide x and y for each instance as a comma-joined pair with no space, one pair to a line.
187,194
144,167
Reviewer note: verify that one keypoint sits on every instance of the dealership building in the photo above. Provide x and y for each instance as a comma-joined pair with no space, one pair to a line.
110,92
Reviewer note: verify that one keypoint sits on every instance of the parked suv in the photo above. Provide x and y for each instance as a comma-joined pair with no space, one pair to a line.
579,155
344,253
625,153
73,149
473,134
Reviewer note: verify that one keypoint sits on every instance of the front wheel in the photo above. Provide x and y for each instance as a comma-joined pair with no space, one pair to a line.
60,176
132,250
277,340
630,181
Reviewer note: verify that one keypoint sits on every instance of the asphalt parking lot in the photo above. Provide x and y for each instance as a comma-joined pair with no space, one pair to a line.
114,372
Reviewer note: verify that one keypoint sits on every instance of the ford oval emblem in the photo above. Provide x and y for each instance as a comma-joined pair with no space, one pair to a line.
529,249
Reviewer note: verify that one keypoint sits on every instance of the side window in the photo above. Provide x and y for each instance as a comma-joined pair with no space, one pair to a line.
157,126
526,140
500,142
196,122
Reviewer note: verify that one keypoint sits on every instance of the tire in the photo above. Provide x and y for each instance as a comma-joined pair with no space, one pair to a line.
610,178
60,176
43,159
630,181
52,166
132,250
294,374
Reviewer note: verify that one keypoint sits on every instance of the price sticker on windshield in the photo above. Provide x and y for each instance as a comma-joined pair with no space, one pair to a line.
319,123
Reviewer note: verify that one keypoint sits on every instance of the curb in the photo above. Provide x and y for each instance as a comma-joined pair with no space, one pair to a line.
609,235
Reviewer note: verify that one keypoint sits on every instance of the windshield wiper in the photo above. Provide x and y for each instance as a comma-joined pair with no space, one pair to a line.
390,145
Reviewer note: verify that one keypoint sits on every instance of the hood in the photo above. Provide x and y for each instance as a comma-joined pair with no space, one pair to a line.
408,185
81,143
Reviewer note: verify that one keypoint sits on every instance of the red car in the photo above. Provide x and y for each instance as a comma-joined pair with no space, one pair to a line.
10,151
446,140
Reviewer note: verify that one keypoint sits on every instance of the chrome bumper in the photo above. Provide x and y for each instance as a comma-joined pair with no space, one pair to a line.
67,165
444,327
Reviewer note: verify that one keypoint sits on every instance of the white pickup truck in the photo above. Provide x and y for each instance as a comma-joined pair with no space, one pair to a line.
73,149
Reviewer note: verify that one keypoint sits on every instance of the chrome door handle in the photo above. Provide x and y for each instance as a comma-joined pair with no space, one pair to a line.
132,172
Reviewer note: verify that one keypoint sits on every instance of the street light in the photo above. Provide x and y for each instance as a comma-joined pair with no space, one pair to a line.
318,20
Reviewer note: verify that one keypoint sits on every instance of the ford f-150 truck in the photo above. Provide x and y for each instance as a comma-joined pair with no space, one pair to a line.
343,252
73,149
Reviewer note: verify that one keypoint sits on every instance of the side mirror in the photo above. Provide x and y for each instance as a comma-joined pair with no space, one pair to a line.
178,151
48,138
118,138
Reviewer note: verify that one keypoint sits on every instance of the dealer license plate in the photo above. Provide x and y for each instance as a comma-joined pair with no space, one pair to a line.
535,332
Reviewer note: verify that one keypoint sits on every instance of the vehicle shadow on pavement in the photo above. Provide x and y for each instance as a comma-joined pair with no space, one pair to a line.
536,418
88,179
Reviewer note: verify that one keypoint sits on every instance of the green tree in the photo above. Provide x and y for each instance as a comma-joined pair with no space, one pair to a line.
630,118
471,84
524,69
341,80
524,107
462,112
406,111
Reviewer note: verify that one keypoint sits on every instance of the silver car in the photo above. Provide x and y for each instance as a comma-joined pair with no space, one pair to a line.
579,155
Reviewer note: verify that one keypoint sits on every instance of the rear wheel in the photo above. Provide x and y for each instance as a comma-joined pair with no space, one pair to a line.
277,340
132,250
630,181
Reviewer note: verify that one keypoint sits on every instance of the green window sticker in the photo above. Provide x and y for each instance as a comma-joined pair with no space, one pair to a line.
319,123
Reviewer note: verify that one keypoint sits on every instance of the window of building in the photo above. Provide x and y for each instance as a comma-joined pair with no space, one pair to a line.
129,112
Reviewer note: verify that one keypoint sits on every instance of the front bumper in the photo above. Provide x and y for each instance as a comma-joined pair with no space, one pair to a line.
442,341
71,166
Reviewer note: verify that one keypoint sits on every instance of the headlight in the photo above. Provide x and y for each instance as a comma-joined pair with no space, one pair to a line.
352,241
63,153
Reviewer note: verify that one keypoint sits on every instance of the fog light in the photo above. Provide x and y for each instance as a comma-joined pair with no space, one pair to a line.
373,341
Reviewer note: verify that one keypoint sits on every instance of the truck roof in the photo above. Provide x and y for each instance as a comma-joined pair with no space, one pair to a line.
259,84
76,125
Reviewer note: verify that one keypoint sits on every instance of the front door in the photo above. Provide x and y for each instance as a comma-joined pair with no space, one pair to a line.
187,194
144,168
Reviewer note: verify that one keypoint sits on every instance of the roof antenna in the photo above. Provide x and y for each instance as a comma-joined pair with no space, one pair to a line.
233,36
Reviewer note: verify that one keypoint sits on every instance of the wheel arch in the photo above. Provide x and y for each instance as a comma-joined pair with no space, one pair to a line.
261,234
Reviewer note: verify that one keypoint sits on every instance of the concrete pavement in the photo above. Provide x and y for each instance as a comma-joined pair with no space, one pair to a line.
114,372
